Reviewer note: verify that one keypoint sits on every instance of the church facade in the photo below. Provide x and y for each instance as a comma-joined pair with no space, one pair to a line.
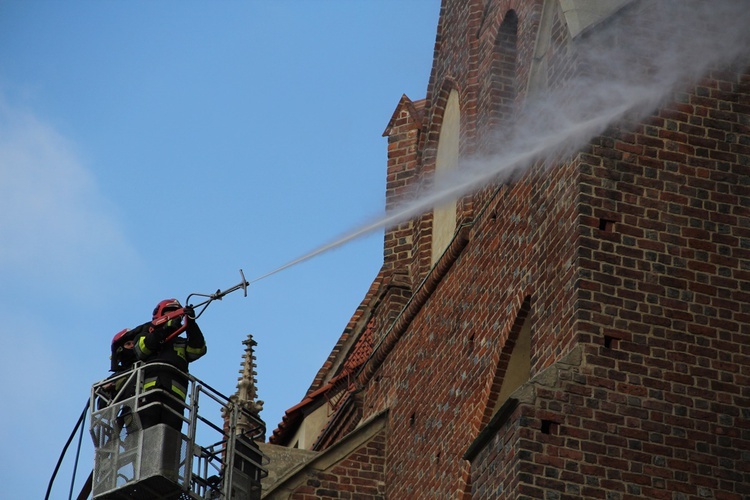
575,322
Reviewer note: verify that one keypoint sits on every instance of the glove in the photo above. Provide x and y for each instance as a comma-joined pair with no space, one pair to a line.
189,313
160,334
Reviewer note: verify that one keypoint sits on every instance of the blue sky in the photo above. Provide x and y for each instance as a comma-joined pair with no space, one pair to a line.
152,149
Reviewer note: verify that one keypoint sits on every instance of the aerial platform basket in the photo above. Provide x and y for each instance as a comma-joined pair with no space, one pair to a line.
136,457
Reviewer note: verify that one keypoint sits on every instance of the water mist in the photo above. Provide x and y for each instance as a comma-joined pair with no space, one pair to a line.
626,68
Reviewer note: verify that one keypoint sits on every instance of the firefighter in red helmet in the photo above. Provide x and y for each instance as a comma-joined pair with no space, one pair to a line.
121,360
168,380
123,356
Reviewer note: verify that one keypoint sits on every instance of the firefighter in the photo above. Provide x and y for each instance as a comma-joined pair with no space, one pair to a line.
122,360
169,381
123,356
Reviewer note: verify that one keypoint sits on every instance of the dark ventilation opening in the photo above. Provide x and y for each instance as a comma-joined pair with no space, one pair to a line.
611,342
606,225
549,427
412,419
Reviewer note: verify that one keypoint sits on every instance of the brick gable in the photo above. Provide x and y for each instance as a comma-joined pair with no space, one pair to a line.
629,257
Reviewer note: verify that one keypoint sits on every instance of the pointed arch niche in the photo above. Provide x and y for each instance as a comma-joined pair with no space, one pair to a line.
514,366
505,66
444,216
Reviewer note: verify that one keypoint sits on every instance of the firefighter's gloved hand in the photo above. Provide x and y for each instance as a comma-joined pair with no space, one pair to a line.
161,333
189,312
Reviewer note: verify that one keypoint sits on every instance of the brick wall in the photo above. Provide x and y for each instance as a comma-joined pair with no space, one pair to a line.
659,406
633,257
471,61
437,381
630,259
360,475
403,134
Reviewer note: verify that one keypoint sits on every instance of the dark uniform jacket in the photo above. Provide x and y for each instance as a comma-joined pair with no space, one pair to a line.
178,352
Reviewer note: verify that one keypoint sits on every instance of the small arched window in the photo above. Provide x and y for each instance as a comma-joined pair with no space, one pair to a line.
444,217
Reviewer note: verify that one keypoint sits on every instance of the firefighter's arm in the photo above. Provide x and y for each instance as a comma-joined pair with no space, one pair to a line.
148,339
196,343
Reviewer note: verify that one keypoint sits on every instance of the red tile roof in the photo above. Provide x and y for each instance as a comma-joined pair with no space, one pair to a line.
356,357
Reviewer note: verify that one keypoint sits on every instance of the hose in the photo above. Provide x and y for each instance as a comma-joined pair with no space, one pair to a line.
78,455
81,419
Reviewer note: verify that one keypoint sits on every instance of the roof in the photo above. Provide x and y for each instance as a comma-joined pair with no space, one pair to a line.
350,360
415,109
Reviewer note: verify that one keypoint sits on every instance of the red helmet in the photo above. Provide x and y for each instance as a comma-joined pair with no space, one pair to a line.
119,337
123,357
165,306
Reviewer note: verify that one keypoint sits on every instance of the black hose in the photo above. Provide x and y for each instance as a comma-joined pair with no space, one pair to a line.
65,448
78,456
